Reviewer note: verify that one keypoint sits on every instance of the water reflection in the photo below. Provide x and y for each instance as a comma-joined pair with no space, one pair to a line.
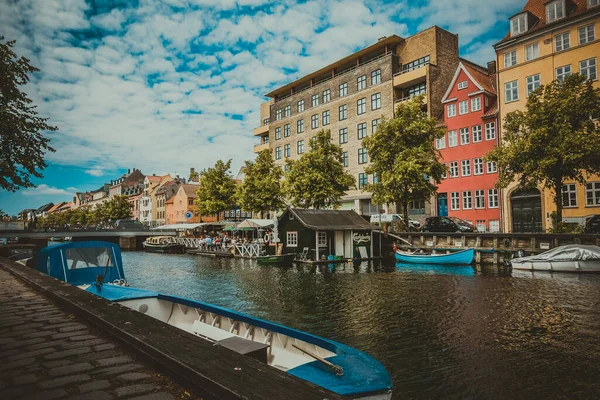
450,332
463,270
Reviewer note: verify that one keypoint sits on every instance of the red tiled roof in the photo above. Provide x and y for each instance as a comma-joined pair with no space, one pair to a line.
190,190
492,109
483,78
537,8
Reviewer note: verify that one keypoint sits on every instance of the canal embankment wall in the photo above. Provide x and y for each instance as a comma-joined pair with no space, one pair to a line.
212,371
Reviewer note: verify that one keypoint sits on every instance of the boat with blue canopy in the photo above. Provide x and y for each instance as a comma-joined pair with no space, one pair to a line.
462,257
97,268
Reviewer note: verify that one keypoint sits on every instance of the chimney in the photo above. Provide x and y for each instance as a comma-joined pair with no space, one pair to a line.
492,67
381,38
128,171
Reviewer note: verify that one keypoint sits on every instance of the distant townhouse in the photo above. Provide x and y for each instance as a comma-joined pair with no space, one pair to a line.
164,194
350,96
133,187
470,117
184,206
42,211
150,184
98,196
547,40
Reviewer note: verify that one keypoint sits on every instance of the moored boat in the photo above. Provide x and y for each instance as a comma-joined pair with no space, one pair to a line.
163,244
282,259
97,268
570,258
462,257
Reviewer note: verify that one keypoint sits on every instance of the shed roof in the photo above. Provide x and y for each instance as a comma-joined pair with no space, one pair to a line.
331,220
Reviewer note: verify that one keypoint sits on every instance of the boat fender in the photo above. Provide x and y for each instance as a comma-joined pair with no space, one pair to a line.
267,238
395,247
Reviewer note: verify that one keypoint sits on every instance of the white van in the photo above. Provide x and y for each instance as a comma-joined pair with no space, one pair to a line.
382,218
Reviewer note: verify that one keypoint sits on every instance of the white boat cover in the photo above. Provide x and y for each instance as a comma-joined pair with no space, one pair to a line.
571,252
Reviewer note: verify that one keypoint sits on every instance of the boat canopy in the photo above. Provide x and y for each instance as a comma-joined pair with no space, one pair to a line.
182,227
571,252
81,262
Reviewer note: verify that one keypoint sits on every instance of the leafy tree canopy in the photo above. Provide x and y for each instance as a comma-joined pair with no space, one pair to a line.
261,189
403,156
22,144
555,139
318,179
216,190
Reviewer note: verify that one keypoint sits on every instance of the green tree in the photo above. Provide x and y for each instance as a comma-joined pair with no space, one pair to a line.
22,144
261,189
216,192
555,139
318,179
118,207
404,158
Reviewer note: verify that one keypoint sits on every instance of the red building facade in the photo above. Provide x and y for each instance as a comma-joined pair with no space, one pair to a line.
471,120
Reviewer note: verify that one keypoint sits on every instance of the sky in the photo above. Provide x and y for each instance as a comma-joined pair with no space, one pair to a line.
166,85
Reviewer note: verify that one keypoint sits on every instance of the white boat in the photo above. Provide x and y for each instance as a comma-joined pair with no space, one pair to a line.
570,258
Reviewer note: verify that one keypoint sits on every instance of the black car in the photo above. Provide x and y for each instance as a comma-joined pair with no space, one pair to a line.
592,224
447,224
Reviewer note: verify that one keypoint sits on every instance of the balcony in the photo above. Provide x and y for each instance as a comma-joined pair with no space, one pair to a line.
410,78
260,147
262,130
425,99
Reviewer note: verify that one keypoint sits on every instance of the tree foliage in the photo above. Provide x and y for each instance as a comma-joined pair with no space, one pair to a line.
404,158
555,139
22,144
261,189
102,215
216,192
318,179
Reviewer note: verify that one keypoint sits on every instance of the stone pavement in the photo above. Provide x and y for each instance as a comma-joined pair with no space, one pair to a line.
47,354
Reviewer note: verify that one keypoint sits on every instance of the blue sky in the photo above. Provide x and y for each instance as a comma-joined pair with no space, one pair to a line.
165,85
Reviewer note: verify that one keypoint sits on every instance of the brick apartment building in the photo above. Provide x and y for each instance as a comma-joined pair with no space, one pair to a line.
350,96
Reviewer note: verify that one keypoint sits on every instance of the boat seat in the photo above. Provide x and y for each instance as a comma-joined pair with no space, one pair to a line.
246,347
210,332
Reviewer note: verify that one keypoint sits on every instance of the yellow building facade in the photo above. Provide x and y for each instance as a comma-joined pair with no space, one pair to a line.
548,40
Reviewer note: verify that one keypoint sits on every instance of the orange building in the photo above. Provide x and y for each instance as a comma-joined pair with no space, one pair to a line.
184,207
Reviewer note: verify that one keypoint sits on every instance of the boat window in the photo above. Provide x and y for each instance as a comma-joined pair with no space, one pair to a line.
78,258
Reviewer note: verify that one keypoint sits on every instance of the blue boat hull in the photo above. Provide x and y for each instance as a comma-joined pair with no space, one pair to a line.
463,257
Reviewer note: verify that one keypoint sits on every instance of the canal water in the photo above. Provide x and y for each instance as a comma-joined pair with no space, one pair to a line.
452,333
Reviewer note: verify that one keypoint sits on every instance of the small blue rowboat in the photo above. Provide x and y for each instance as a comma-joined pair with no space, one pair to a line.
463,257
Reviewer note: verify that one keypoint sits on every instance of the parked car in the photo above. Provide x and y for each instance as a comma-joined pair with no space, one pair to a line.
381,218
447,224
592,224
129,224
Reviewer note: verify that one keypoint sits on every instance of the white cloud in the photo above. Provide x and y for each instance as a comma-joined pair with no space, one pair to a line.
95,172
45,190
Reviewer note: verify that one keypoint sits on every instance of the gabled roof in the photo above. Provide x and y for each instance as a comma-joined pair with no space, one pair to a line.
477,74
190,190
45,207
135,177
330,220
56,206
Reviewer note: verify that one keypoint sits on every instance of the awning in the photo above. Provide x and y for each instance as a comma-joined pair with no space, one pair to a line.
256,223
177,227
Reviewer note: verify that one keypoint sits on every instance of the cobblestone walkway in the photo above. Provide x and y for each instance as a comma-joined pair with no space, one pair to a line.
47,354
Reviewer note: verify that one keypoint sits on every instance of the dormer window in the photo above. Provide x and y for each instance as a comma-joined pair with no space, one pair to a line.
518,24
555,10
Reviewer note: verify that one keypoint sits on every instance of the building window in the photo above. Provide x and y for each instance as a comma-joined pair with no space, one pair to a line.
562,41
479,199
532,82
362,156
490,131
343,135
343,112
287,151
451,110
477,134
480,223
587,34
286,130
415,90
593,3
325,117
466,167
463,107
421,62
326,96
301,106
555,10
344,89
477,166
511,91
314,121
463,85
322,239
278,153
278,115
315,100
361,82
287,111
455,201
493,198
464,136
376,101
467,200
292,239
592,194
491,167
361,106
532,51
345,158
362,130
376,77
362,180
374,124
475,104
440,143
563,72
300,147
510,59
454,169
300,126
569,195
518,24
278,133
587,68
452,139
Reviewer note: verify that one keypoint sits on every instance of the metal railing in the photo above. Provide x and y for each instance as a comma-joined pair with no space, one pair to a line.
412,69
